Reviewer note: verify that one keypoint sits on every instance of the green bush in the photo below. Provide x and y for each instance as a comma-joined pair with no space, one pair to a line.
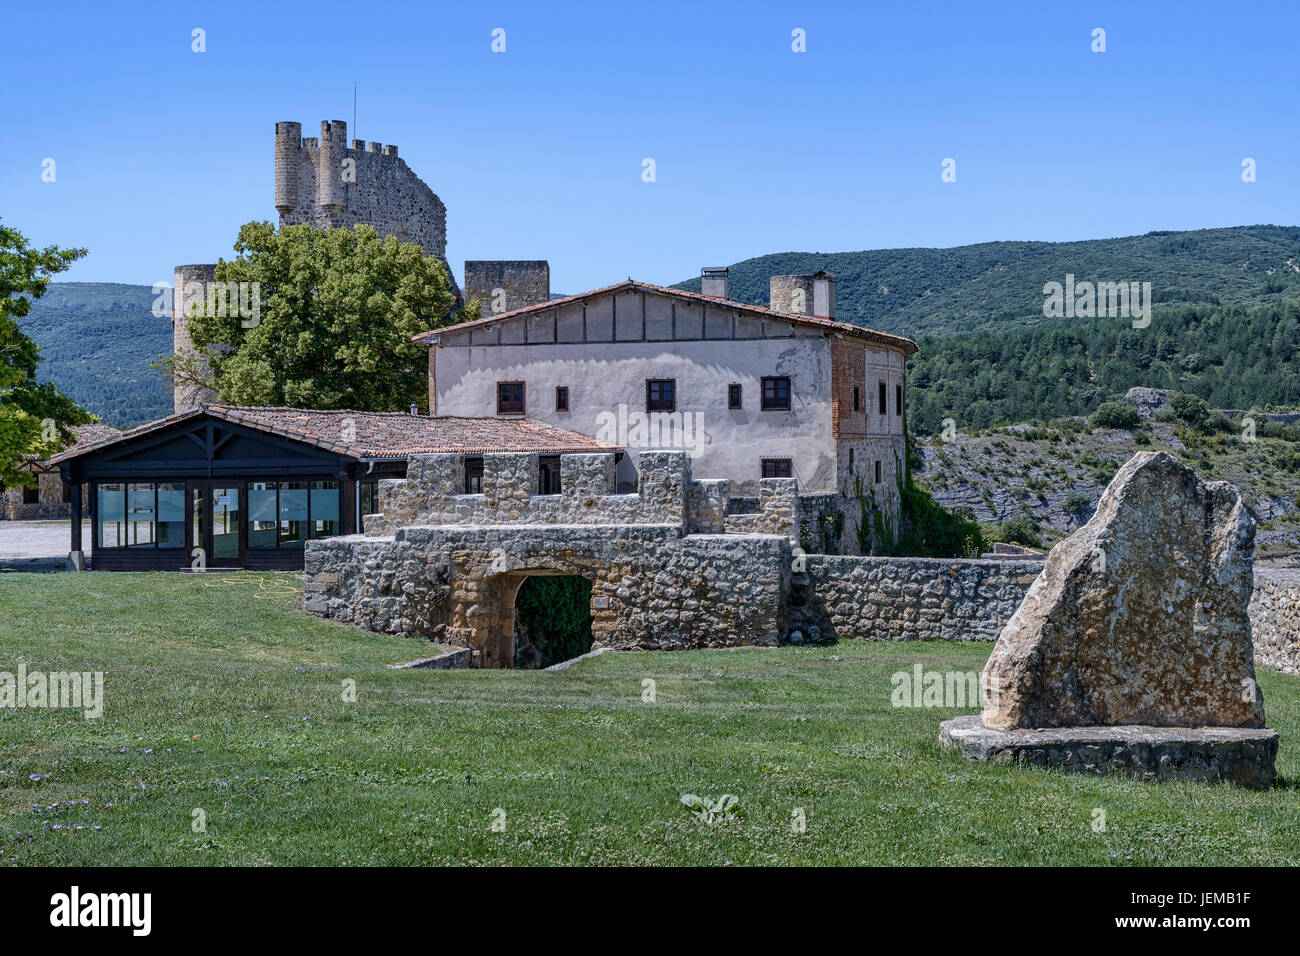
1115,415
1022,529
1076,503
1190,408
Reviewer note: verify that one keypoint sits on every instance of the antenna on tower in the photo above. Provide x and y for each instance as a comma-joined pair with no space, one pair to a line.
354,110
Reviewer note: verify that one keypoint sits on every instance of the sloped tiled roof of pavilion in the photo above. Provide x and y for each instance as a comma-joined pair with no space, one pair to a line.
631,285
378,434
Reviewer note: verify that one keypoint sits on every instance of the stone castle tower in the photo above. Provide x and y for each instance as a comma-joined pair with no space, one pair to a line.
328,183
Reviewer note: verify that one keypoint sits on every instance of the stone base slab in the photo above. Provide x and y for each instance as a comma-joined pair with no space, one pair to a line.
1243,756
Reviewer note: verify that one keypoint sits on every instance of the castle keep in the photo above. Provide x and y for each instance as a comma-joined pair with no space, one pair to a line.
327,183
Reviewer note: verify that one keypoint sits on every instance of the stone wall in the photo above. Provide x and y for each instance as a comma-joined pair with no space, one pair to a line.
447,566
1275,618
431,493
651,588
505,285
891,599
50,503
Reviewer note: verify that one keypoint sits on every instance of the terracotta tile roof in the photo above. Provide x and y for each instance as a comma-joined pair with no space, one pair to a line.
631,285
379,434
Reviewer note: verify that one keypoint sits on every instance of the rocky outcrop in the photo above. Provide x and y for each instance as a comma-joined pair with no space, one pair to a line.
1140,617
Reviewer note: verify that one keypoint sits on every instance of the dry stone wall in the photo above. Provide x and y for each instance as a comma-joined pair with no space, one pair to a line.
894,599
1275,618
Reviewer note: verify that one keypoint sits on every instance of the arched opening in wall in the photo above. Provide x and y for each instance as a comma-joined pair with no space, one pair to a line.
552,621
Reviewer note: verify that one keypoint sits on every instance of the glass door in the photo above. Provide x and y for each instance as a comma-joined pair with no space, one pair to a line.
215,525
224,507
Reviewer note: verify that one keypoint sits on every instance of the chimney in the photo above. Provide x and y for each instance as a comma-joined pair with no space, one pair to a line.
713,281
823,284
415,409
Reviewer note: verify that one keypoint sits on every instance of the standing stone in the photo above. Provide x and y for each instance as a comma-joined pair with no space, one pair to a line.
1138,621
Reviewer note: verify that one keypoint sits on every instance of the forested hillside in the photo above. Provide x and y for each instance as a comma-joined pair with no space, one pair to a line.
1231,356
996,286
97,340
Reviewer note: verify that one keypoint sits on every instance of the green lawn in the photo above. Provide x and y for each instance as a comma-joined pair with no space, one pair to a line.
221,696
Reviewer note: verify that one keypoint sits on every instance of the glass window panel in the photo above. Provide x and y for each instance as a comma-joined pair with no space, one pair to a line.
140,515
293,514
324,509
262,523
110,512
171,515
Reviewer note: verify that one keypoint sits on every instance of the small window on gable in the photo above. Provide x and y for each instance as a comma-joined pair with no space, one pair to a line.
776,393
883,410
898,399
660,395
510,398
733,396
562,398
778,468
877,471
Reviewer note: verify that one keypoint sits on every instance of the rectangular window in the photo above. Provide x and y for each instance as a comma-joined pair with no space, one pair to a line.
292,514
562,398
883,410
285,514
660,395
776,394
263,527
324,509
140,515
778,468
474,475
733,396
31,496
850,462
67,493
171,515
369,492
877,472
898,399
857,399
548,474
110,514
510,398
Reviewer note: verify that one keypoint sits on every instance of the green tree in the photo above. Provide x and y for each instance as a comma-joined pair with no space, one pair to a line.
335,313
35,419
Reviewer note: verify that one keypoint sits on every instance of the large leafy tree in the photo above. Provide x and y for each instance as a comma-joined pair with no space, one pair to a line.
337,310
35,419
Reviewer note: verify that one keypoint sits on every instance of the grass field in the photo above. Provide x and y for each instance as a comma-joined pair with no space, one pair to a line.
221,697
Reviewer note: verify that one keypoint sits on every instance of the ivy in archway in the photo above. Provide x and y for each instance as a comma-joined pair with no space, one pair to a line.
552,620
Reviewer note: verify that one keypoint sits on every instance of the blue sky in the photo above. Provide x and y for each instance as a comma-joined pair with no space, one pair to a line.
162,152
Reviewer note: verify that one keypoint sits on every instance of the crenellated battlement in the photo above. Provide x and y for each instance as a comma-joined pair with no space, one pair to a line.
330,182
434,493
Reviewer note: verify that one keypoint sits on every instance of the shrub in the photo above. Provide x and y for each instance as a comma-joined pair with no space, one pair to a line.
1076,502
1022,529
1190,408
1115,415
